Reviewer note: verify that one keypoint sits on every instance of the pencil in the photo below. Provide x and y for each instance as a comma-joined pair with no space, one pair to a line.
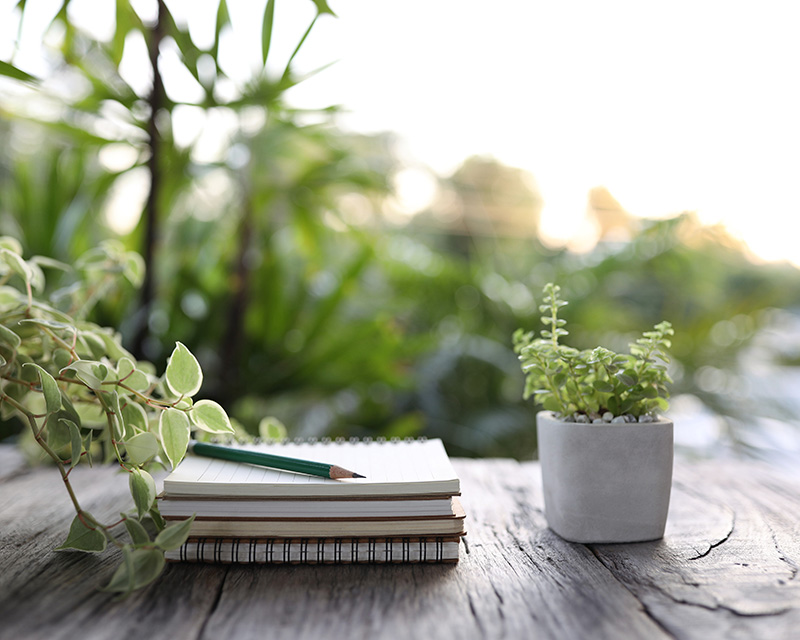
269,460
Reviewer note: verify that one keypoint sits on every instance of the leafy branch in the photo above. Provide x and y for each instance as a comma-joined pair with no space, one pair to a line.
80,394
594,382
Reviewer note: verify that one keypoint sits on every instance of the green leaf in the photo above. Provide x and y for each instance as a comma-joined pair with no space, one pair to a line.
141,567
211,417
174,535
190,53
223,19
661,403
90,373
136,531
117,44
37,277
10,71
83,538
288,68
68,412
134,268
91,344
76,444
58,434
126,580
114,349
603,386
130,376
143,490
44,261
125,367
110,401
551,404
52,394
157,519
87,446
271,429
62,358
173,427
266,31
183,375
49,323
10,338
628,377
17,264
135,418
322,7
141,447
11,243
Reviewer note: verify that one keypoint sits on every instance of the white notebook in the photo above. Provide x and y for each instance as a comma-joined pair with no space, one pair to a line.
328,527
305,507
392,468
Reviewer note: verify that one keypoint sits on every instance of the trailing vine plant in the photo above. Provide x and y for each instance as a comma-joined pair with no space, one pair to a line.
587,385
84,398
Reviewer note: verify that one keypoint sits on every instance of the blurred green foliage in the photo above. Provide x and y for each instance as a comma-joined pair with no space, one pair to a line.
271,261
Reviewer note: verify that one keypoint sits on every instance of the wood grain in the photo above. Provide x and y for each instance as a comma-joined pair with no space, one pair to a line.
727,568
736,581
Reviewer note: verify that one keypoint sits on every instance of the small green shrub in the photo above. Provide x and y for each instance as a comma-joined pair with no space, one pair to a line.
593,382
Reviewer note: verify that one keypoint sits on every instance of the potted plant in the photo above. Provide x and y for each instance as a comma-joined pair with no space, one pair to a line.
605,453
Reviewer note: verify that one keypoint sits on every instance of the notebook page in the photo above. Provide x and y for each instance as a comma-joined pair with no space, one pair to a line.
391,468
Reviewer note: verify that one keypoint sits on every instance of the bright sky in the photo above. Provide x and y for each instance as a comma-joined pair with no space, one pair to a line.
672,106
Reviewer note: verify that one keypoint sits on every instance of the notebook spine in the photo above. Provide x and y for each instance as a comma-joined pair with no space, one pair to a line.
406,550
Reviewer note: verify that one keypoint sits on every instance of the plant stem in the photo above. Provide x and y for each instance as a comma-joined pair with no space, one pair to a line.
575,398
610,377
554,324
62,342
551,383
46,447
37,435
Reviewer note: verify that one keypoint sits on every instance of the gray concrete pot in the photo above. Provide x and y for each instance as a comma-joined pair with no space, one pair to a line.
605,482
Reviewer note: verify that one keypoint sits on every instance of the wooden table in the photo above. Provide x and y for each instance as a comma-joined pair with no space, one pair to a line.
727,568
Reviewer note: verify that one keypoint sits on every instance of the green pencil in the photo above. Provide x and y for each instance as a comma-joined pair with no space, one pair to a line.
269,460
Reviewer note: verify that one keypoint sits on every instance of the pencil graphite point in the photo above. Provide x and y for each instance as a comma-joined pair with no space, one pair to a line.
337,473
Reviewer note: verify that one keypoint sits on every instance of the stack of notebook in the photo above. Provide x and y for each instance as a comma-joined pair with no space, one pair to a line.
406,509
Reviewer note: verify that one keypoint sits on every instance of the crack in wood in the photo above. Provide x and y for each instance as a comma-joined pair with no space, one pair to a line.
714,545
722,607
519,544
214,605
642,605
475,615
654,587
793,568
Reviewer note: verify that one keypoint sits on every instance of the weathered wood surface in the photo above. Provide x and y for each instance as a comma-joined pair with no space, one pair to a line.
727,568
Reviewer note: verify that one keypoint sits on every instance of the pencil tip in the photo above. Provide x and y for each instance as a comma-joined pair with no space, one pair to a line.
358,475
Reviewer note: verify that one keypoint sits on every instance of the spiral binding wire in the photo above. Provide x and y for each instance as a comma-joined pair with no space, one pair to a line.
317,440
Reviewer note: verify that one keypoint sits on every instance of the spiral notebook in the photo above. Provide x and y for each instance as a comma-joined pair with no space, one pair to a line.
398,550
395,468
